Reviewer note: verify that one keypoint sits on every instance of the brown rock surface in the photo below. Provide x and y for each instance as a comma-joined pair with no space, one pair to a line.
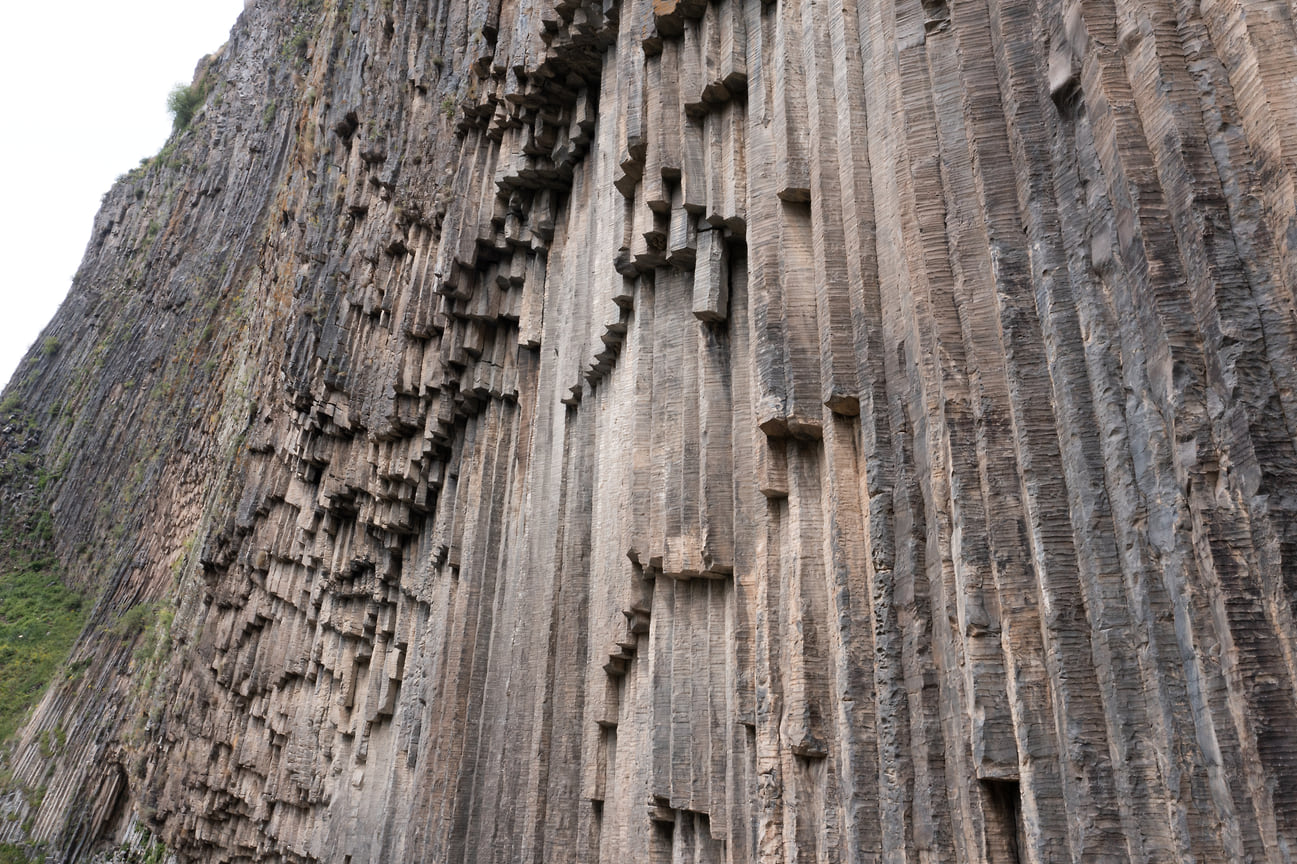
684,431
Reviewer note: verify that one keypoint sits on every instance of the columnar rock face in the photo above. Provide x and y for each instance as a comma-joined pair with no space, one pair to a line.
686,431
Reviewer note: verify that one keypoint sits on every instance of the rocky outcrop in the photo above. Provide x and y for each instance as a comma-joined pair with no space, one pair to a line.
658,430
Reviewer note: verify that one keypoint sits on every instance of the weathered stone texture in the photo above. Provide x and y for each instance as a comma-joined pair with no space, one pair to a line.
687,431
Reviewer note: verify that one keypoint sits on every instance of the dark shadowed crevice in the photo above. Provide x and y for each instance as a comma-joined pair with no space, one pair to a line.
1001,806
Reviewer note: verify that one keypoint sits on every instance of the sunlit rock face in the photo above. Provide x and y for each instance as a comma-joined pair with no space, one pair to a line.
684,431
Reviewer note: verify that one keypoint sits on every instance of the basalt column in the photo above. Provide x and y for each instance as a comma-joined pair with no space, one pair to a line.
685,432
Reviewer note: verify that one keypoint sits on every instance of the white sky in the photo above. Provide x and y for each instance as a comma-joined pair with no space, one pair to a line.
84,87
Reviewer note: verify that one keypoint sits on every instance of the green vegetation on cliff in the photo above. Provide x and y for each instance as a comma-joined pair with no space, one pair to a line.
183,101
11,853
40,618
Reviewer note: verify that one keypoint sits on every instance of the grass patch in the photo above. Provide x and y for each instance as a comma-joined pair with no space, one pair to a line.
11,853
40,618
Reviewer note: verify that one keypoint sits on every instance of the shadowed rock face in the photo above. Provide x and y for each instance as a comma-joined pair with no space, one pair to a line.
683,431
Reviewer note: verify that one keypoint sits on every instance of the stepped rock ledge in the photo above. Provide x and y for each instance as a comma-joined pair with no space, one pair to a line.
682,432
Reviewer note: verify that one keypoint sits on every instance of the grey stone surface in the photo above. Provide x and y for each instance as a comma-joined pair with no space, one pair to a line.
681,431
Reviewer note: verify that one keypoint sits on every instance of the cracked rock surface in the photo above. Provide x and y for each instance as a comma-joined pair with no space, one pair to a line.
690,431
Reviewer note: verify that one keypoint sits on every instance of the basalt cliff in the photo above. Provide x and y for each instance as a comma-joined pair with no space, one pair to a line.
708,431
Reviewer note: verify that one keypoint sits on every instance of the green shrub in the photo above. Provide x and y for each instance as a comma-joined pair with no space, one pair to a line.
299,43
135,620
52,743
183,102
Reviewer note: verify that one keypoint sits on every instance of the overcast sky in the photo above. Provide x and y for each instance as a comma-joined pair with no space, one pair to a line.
84,84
